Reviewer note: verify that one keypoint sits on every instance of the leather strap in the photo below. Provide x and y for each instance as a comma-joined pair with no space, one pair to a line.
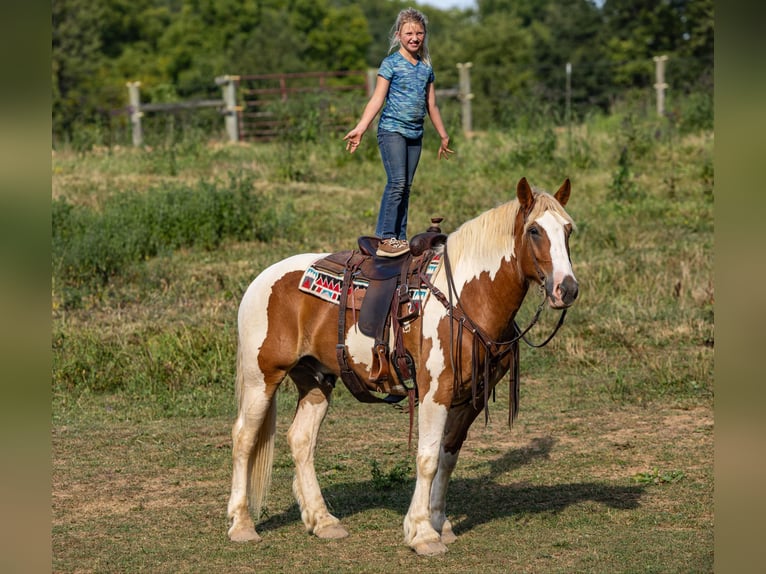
352,381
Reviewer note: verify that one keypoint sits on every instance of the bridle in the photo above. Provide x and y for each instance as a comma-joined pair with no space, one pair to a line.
462,316
494,351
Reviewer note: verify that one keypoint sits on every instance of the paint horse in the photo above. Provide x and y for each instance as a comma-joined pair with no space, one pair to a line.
486,269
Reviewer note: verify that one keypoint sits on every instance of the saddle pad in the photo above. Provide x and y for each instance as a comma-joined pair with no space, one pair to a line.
326,284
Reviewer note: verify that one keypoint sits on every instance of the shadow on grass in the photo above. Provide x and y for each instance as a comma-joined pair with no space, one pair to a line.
475,501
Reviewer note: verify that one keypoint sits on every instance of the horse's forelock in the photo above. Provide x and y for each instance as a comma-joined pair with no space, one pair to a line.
546,202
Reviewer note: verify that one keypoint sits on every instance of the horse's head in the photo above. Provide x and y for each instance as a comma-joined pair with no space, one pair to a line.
544,242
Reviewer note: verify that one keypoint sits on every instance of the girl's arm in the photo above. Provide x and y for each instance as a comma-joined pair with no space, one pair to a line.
436,120
354,137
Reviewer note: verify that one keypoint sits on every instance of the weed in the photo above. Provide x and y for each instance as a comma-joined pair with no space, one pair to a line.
534,148
623,186
90,247
655,476
399,474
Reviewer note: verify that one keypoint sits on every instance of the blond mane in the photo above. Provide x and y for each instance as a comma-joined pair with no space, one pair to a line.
492,233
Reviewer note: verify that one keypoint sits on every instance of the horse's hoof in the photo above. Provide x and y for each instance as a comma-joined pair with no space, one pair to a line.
448,537
243,534
331,531
430,548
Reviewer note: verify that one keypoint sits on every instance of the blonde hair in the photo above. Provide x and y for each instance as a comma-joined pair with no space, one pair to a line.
410,16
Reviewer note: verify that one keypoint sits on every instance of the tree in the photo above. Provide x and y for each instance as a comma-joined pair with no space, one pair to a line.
696,48
75,60
566,31
502,54
341,39
519,48
635,32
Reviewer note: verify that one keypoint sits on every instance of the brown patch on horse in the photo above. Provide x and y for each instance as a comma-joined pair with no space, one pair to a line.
460,420
293,319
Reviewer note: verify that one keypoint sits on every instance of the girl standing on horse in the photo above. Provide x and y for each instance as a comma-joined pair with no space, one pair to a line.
405,92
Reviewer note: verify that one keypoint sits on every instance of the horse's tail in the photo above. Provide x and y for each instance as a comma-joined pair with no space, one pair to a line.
262,454
239,381
262,460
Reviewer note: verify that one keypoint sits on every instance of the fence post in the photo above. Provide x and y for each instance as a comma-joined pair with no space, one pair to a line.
134,99
660,85
372,78
231,109
465,96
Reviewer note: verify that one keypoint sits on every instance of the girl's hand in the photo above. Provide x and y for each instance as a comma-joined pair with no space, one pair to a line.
353,139
444,149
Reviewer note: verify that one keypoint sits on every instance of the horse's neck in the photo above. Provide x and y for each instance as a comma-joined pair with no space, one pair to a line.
491,297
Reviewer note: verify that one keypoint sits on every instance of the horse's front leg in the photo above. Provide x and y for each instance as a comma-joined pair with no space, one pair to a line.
458,422
302,438
419,533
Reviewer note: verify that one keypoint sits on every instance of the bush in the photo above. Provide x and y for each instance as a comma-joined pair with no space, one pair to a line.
695,112
90,247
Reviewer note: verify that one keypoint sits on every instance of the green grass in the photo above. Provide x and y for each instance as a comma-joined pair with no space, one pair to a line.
608,468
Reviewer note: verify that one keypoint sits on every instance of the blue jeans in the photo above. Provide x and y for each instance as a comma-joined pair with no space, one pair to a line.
400,157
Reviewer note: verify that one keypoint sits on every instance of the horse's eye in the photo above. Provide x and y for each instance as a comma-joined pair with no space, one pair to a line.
534,231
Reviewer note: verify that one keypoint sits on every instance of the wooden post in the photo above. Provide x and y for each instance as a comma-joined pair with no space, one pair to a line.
465,96
134,99
660,85
372,79
231,109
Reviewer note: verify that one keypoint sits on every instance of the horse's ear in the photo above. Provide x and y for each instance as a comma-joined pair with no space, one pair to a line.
562,195
524,193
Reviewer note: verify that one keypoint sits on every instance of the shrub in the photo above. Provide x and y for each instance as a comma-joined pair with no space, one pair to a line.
91,246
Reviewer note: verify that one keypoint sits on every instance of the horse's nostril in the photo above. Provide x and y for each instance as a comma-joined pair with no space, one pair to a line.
568,290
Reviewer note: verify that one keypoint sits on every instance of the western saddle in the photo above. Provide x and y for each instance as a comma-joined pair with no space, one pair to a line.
384,307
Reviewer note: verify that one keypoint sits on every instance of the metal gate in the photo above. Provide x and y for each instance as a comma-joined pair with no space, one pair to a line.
273,104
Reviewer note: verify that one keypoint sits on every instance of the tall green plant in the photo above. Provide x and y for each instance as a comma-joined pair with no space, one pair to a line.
623,187
90,247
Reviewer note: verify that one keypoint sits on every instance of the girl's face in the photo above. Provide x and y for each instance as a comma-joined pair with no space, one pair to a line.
411,37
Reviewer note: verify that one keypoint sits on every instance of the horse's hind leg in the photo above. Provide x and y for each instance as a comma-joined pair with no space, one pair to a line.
252,449
315,389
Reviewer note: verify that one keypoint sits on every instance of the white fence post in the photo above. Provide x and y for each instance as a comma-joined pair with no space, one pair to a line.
660,85
465,96
134,98
231,109
372,79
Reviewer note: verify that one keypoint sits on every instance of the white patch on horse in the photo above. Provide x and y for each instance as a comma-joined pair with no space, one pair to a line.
554,226
480,261
359,347
433,312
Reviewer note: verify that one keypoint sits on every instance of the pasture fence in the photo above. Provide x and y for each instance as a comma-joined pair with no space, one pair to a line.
259,107
256,107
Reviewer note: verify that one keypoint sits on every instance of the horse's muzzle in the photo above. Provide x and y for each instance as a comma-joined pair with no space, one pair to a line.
564,294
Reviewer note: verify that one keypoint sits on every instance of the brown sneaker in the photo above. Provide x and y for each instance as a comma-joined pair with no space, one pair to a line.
392,247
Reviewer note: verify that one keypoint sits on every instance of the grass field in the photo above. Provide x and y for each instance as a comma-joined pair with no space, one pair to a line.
609,467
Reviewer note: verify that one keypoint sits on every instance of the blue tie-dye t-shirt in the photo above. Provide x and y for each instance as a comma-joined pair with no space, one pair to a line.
405,108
